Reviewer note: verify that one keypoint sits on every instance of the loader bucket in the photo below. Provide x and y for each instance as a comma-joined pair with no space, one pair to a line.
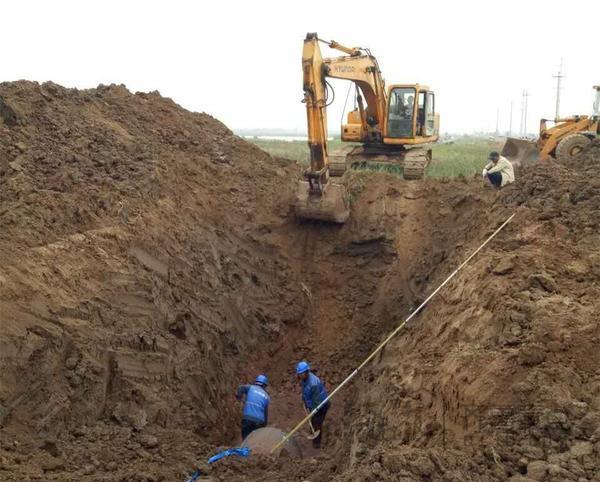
330,205
520,152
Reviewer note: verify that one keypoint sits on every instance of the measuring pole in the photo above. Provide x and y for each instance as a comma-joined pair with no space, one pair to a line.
390,336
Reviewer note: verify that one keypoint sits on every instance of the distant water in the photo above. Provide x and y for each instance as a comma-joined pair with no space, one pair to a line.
281,138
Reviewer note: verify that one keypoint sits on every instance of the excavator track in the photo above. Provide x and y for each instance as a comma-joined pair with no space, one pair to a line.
415,162
338,161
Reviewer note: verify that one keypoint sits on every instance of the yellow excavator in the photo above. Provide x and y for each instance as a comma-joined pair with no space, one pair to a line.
563,140
396,124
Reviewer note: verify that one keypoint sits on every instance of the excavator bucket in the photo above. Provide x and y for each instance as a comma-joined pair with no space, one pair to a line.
520,152
330,205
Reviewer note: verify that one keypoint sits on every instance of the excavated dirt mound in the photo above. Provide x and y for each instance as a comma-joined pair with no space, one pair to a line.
149,262
135,276
499,378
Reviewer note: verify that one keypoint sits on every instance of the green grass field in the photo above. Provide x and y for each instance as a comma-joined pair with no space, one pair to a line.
464,157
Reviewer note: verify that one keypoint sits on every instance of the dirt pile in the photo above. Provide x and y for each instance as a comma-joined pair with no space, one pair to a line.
135,277
149,262
498,379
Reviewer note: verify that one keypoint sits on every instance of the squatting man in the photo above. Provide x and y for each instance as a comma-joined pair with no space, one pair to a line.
498,171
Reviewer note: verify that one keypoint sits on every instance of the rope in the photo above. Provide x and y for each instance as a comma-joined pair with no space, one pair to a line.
391,335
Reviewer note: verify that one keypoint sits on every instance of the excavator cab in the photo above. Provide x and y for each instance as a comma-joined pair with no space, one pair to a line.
411,116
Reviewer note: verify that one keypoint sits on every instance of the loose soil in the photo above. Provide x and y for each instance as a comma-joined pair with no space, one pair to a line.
150,262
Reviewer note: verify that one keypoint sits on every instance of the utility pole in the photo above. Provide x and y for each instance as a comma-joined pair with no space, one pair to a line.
559,76
522,113
525,119
522,110
510,120
527,94
497,120
524,100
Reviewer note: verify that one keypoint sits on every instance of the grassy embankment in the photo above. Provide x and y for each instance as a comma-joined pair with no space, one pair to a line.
464,157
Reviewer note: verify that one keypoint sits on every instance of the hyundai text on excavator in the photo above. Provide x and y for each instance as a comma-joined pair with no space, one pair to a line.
396,124
563,140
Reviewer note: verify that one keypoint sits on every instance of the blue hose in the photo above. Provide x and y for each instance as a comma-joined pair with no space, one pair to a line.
195,476
241,451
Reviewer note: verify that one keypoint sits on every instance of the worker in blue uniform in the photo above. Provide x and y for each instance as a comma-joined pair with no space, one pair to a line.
313,394
255,414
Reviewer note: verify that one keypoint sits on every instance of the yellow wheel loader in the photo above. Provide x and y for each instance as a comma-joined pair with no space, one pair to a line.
563,141
396,124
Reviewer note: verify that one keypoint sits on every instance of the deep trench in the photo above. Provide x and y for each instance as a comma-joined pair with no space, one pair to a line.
360,282
355,283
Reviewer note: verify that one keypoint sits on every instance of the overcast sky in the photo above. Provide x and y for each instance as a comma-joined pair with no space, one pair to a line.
240,60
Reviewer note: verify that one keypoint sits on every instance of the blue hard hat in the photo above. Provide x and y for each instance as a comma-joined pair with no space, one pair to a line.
262,380
302,367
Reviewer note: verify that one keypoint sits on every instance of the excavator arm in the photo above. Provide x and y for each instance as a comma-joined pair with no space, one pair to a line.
357,66
318,197
315,98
